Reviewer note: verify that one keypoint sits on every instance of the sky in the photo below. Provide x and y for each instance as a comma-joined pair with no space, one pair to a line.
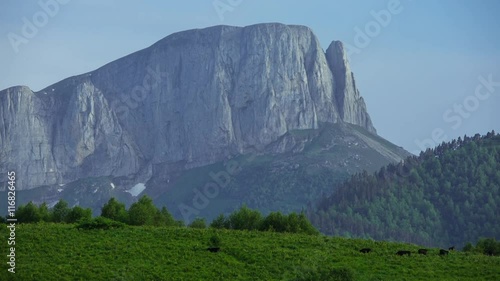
429,70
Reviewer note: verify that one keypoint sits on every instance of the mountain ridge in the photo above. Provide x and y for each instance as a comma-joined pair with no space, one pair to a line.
257,83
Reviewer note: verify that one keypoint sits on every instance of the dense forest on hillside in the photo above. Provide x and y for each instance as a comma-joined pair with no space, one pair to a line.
448,195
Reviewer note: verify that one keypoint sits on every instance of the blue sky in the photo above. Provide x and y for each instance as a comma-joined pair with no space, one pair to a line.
418,73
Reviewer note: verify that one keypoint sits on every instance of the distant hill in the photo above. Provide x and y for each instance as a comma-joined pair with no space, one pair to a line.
448,195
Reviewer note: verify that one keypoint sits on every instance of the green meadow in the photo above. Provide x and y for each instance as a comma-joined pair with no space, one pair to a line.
48,251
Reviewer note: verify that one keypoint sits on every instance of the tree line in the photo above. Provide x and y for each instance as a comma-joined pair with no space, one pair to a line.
144,212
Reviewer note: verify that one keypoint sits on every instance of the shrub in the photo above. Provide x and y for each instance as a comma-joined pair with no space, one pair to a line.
220,222
198,223
245,219
44,212
115,210
488,246
78,214
215,241
468,247
28,213
142,212
275,221
305,226
179,223
100,223
164,218
60,211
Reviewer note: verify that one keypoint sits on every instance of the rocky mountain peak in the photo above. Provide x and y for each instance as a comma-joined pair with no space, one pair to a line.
352,108
194,97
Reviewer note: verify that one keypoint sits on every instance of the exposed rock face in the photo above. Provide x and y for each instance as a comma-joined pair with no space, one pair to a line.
351,105
194,97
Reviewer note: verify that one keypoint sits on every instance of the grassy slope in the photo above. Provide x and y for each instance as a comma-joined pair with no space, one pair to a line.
61,252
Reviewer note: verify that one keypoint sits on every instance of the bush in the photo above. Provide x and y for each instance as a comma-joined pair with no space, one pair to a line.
220,222
78,214
44,212
468,247
115,210
143,212
305,226
60,211
488,246
292,223
215,241
198,223
164,218
275,221
179,223
245,219
28,213
100,223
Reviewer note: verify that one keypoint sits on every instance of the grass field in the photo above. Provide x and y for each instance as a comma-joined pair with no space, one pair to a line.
61,252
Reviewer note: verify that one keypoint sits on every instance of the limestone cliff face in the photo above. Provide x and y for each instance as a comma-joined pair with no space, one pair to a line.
352,108
194,97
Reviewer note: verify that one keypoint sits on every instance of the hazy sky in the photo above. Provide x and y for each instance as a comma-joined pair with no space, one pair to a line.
417,70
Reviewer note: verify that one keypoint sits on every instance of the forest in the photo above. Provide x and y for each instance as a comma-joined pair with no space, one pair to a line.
448,195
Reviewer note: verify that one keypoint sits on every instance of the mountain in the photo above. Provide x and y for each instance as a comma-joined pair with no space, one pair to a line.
193,99
448,195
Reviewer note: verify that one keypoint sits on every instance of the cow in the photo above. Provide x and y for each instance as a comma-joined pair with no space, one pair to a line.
443,252
365,250
402,253
213,249
452,248
422,251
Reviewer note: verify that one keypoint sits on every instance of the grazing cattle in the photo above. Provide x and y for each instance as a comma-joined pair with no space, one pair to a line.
365,250
213,249
401,253
452,248
422,251
443,252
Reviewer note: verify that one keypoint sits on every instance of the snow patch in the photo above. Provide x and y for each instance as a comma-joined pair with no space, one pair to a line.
137,189
59,189
112,186
95,190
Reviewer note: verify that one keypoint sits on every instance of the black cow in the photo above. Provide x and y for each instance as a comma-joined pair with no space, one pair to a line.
443,252
213,249
402,253
365,250
422,251
452,248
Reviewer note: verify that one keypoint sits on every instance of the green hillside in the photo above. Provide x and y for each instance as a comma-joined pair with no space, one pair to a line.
449,195
62,252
